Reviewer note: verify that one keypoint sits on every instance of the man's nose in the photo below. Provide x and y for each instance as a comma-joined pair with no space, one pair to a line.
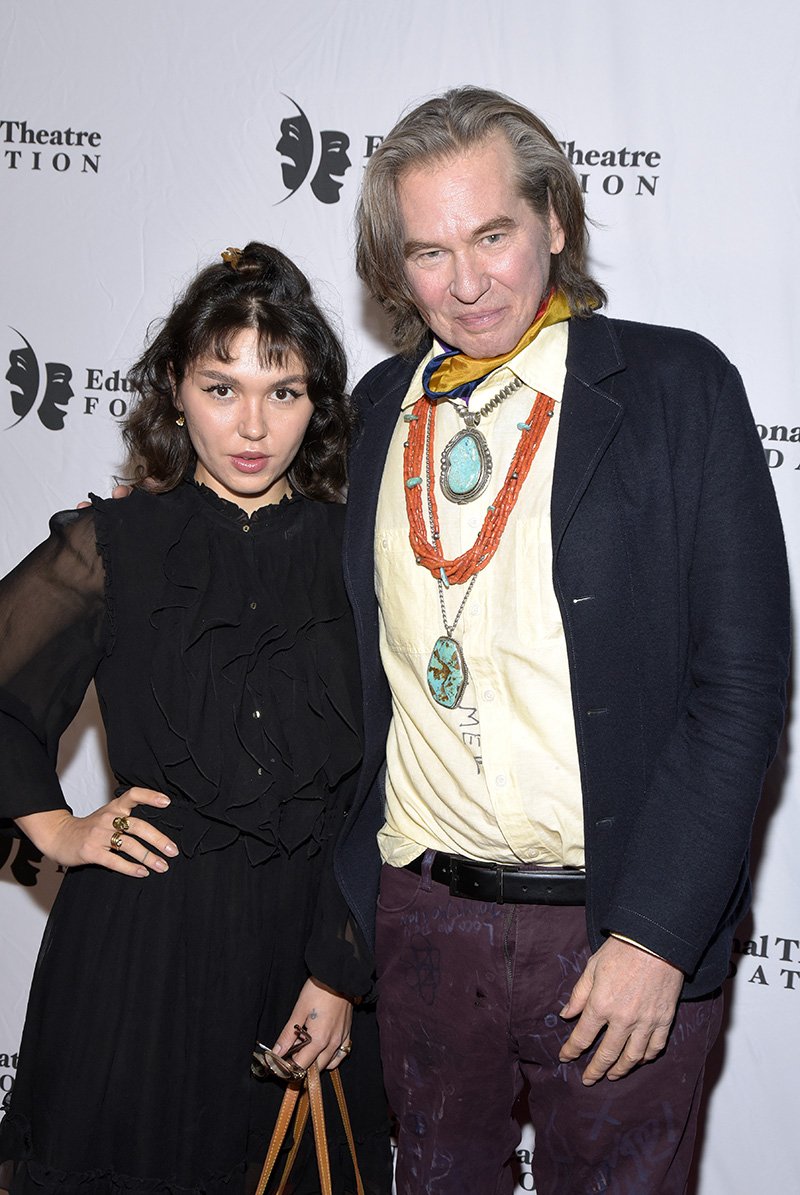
469,280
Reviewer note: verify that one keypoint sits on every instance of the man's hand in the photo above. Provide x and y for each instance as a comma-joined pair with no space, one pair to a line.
119,491
632,995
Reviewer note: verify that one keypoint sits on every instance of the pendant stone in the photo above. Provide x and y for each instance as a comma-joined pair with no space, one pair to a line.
447,672
466,466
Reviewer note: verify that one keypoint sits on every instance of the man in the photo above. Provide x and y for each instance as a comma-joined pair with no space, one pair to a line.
568,574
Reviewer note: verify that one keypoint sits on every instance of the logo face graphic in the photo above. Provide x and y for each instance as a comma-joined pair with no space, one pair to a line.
296,143
24,867
23,374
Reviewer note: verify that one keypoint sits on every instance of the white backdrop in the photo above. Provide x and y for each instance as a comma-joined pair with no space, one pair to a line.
138,139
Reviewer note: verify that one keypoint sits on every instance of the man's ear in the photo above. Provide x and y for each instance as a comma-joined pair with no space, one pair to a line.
557,238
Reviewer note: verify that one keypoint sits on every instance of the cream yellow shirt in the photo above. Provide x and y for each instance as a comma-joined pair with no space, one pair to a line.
496,778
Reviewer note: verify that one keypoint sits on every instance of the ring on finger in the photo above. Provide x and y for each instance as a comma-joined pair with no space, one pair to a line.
344,1048
116,841
121,823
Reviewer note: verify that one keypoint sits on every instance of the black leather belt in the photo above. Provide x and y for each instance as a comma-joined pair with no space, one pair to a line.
504,884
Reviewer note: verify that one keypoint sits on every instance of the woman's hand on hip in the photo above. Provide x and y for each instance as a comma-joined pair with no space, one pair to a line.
327,1017
109,837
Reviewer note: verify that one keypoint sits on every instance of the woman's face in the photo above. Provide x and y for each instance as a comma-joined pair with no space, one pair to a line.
246,423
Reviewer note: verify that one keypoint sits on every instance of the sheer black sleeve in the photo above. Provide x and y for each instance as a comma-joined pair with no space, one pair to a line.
336,952
52,636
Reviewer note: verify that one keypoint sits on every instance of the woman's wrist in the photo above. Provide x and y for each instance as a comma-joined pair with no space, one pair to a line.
43,828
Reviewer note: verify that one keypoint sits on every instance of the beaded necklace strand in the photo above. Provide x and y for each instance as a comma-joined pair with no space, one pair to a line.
422,421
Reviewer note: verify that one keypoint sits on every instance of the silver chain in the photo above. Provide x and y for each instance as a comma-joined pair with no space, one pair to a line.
449,627
472,420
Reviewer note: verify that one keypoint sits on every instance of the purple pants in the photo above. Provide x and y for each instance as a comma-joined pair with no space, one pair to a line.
469,995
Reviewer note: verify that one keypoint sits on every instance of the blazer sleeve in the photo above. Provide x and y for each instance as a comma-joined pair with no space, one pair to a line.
684,873
52,637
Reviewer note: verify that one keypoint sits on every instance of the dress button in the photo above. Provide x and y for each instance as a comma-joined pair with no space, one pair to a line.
253,605
488,694
256,713
245,527
500,781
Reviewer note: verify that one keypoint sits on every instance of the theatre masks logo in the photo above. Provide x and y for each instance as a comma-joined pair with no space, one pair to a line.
25,859
47,387
27,387
301,151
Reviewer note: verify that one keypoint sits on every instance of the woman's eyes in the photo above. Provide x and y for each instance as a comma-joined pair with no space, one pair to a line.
283,394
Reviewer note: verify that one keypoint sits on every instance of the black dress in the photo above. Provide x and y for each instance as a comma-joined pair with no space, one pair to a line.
225,663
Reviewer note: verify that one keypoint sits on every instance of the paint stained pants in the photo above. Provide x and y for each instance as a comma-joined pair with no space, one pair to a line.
469,995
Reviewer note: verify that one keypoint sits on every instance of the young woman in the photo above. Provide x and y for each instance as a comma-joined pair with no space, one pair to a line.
209,609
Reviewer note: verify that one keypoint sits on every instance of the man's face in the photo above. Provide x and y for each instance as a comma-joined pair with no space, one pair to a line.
477,255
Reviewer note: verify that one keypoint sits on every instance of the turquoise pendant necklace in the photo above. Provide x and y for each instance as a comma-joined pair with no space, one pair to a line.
447,674
466,463
447,669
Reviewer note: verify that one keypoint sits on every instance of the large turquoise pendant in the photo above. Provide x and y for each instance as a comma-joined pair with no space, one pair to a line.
466,466
447,672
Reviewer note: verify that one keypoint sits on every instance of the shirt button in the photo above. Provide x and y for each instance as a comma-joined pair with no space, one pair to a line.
500,781
245,527
256,713
253,605
488,694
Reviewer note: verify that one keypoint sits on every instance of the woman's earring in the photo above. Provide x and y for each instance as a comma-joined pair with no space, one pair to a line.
180,421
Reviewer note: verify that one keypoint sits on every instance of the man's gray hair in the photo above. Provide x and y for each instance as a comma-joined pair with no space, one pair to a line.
437,130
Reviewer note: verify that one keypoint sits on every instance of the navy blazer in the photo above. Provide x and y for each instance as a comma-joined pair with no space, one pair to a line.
670,570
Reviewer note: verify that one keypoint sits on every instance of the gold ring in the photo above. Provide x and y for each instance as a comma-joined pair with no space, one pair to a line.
116,841
345,1048
121,823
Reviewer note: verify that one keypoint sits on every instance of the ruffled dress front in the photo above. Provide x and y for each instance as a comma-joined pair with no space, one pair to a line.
224,658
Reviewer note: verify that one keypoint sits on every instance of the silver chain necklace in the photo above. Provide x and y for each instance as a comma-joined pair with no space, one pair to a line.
447,673
466,463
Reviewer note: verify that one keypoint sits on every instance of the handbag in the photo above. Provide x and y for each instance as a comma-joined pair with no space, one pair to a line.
299,1098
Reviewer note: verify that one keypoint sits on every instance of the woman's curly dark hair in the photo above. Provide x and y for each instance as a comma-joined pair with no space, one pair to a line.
258,288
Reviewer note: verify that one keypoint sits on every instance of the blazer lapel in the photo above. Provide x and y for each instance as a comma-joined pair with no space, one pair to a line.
367,462
590,415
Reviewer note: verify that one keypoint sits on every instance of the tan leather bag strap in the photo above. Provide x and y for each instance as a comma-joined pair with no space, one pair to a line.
320,1136
285,1114
339,1090
294,1100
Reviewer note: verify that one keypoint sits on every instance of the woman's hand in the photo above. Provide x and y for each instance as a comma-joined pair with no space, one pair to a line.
327,1016
73,841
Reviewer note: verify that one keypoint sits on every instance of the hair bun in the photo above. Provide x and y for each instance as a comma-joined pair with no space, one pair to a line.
270,270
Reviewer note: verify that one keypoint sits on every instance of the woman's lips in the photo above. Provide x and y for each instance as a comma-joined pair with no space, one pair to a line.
249,462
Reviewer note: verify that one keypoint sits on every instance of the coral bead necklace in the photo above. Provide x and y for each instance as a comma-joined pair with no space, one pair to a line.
447,671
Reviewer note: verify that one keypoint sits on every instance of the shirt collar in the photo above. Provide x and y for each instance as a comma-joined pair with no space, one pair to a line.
542,366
